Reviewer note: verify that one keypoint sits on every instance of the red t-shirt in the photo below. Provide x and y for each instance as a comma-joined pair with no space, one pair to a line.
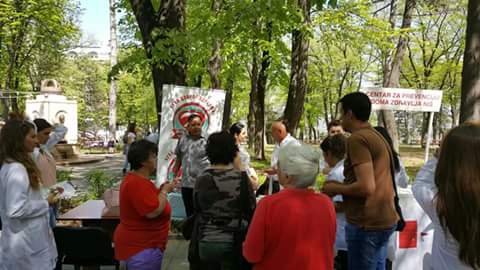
136,232
293,229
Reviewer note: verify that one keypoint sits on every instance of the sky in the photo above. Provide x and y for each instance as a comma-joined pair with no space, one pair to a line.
95,20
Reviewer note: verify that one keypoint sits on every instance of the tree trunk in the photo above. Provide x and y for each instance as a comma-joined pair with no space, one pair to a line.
424,131
470,98
215,61
169,16
298,71
453,111
214,65
392,79
260,105
227,109
112,105
8,85
253,96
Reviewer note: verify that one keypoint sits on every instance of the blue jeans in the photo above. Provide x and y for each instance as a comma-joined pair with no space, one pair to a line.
367,250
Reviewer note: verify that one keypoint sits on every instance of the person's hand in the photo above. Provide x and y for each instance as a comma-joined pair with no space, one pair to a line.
57,190
53,198
330,188
177,180
170,186
270,171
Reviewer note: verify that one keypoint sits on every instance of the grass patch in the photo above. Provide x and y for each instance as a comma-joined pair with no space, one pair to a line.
412,157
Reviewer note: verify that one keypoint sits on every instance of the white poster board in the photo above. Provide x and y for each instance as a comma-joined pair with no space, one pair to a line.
400,99
411,248
178,103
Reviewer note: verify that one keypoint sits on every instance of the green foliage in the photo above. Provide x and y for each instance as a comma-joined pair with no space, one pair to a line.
343,51
98,182
33,37
64,175
155,4
349,44
135,95
86,80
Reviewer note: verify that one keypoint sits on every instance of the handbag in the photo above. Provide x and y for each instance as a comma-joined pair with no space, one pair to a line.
243,223
187,227
396,200
401,221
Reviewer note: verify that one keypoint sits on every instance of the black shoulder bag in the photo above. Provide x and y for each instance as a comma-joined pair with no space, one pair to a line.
401,221
243,222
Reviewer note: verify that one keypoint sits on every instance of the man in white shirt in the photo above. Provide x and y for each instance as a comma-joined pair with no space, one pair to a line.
282,138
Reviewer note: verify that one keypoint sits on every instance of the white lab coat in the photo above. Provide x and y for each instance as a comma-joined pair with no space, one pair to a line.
27,241
445,247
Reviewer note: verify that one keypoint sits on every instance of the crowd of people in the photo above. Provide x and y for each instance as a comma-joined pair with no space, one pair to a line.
236,222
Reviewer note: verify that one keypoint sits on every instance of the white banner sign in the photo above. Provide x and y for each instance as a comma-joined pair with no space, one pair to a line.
178,103
404,99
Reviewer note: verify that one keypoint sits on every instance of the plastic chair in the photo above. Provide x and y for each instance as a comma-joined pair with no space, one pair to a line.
84,246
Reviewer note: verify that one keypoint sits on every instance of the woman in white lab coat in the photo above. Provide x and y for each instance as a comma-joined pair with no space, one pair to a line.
27,241
448,190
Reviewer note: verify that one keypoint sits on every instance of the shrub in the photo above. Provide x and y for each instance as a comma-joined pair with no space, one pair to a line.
98,182
64,175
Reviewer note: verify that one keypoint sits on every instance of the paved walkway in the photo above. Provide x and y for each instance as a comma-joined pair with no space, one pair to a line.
176,254
112,164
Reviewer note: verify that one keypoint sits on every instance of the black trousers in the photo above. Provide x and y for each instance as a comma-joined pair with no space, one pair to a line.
263,189
341,260
187,197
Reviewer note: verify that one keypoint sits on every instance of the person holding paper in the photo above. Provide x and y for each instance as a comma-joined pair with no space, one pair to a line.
27,239
447,188
142,235
282,138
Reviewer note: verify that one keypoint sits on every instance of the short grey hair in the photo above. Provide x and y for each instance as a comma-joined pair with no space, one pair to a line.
301,162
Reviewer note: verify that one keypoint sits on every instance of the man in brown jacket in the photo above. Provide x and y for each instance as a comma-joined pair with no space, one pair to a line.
367,191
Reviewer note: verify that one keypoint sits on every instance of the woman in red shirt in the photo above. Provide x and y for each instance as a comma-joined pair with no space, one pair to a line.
295,228
141,237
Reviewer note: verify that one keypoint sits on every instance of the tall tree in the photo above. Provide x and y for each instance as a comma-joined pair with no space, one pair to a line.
227,109
260,65
158,21
435,50
112,105
392,76
30,29
470,99
298,69
215,60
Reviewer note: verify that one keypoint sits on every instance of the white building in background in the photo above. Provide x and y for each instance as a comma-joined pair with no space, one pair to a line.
52,105
100,53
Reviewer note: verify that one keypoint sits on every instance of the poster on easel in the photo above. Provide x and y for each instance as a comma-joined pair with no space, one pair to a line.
178,103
